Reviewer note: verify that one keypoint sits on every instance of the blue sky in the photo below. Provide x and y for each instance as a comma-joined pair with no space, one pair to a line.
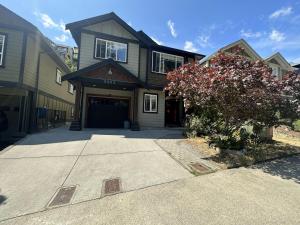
202,26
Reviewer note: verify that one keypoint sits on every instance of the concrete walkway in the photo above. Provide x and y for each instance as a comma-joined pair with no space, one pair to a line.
252,196
32,171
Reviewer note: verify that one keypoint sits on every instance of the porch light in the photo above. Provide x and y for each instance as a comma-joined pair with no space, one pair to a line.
109,71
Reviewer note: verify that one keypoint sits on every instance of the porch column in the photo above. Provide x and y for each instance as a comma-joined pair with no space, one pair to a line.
77,109
76,123
135,126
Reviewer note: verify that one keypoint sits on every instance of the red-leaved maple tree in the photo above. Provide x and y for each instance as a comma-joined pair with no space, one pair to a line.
238,90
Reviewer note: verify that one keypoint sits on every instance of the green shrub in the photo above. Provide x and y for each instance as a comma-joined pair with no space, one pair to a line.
296,125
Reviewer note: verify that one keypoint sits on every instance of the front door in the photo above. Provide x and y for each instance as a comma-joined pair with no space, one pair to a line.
107,112
173,112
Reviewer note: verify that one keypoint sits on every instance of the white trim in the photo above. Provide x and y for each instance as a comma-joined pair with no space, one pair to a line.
151,97
2,50
71,90
58,78
106,41
160,54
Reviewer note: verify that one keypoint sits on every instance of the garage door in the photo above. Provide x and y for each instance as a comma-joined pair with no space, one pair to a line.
107,112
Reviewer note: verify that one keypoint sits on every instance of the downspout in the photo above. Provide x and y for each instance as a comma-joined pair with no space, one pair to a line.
37,90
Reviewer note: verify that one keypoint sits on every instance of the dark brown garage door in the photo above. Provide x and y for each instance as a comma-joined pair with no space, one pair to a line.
107,112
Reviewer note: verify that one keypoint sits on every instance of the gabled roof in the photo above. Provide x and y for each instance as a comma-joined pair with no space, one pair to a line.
81,73
99,19
240,42
15,21
281,59
146,39
143,38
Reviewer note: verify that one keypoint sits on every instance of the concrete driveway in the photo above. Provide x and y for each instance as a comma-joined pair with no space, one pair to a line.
268,194
32,171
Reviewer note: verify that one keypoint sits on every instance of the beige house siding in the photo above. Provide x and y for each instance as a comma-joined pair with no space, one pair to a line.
31,61
111,27
151,119
87,54
12,55
105,93
47,80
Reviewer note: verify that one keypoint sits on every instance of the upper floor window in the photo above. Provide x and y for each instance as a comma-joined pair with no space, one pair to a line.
105,49
275,71
2,43
164,63
71,88
58,76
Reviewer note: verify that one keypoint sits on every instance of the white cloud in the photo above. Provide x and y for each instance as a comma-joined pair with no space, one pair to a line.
171,26
62,27
156,40
189,46
277,36
62,38
46,20
281,12
49,23
203,41
250,34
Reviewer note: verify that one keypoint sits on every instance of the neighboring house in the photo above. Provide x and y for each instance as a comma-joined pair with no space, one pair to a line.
276,62
32,94
279,65
297,68
121,75
68,54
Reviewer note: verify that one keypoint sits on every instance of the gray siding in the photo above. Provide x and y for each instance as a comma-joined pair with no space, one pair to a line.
31,61
87,54
12,56
112,28
143,64
47,80
151,119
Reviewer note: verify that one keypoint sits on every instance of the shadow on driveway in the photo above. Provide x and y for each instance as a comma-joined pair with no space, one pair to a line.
60,135
286,168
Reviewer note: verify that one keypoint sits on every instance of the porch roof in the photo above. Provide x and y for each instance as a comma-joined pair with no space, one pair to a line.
97,74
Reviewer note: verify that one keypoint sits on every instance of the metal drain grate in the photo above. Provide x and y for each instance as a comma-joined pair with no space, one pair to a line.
111,186
63,196
200,168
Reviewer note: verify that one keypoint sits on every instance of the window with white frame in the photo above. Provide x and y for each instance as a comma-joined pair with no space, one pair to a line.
2,44
71,88
275,71
58,76
150,103
105,49
164,63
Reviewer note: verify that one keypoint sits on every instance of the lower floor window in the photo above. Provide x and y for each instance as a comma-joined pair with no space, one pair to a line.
150,103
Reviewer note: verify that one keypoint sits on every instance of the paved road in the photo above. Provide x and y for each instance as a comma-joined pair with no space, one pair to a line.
238,196
32,171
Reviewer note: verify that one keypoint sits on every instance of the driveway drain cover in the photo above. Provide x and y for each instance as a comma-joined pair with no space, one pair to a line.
200,168
111,186
63,196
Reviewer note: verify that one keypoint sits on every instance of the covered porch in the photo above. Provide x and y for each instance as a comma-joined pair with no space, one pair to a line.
106,96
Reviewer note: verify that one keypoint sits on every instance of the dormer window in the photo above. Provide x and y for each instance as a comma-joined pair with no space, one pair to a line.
164,63
275,71
106,49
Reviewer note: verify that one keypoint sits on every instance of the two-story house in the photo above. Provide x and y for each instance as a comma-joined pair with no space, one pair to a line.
32,94
276,62
121,76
